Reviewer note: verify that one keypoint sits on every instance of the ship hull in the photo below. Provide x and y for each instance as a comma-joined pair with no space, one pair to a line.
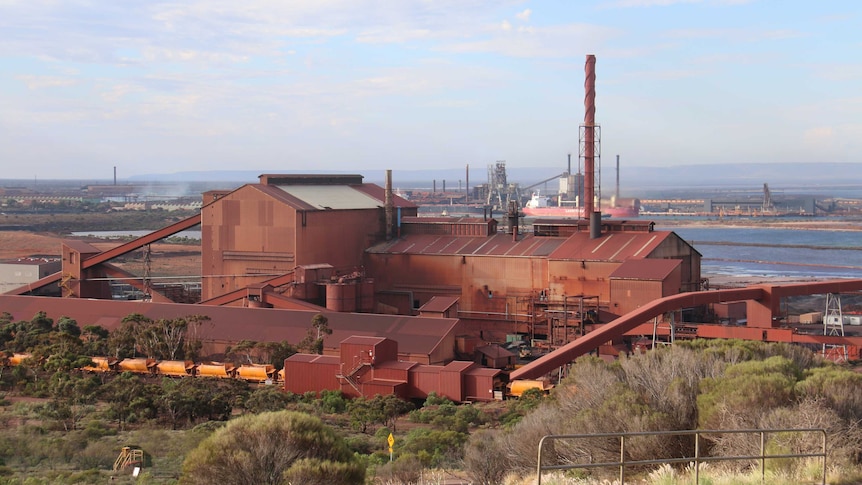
614,212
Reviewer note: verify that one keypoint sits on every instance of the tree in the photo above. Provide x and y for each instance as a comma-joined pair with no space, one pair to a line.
161,339
128,398
273,448
313,341
72,398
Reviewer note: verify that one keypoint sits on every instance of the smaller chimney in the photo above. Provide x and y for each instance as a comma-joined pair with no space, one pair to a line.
467,183
388,204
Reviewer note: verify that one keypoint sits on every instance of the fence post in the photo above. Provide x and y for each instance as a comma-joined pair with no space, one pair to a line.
697,458
762,456
622,459
539,462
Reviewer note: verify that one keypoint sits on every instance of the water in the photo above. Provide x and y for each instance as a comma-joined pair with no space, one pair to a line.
826,254
126,234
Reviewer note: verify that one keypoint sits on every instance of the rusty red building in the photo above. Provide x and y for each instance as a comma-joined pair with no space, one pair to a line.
267,229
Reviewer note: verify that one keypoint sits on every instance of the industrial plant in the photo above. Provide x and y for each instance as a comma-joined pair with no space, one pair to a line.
459,306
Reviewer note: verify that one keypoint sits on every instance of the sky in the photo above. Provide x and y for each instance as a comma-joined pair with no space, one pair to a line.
152,86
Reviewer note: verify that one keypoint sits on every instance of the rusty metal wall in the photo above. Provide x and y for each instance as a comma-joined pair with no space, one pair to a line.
424,381
676,248
445,350
338,237
478,388
355,354
629,295
243,233
471,278
300,377
385,351
341,297
451,385
370,389
589,278
392,374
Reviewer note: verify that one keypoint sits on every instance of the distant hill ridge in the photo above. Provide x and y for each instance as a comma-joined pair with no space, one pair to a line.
632,179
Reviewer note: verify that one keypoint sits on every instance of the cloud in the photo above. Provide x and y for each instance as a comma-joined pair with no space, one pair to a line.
668,3
524,16
734,35
42,82
558,41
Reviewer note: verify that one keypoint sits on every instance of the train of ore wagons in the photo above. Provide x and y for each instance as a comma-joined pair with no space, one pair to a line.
256,373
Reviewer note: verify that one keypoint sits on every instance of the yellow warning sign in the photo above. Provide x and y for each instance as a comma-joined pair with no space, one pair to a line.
390,440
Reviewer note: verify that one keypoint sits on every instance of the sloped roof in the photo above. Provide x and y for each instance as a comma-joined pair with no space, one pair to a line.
645,269
81,246
616,246
415,335
397,364
315,359
483,371
363,340
494,351
458,366
496,245
439,304
329,197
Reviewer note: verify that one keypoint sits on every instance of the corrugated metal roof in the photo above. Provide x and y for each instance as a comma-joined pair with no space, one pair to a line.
326,197
645,269
483,371
494,351
415,335
355,339
397,365
379,193
458,366
497,245
81,246
617,246
315,359
439,304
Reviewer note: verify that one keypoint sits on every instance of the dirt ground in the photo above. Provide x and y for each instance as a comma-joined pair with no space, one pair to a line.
165,259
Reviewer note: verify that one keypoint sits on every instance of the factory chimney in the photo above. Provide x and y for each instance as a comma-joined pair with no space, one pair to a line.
590,147
467,195
115,175
617,193
388,204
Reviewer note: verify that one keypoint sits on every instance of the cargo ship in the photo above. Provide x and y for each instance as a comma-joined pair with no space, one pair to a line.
539,206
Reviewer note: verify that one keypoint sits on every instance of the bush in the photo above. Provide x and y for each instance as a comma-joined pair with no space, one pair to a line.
273,448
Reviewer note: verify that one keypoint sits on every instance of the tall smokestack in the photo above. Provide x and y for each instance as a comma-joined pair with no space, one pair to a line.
467,196
589,135
115,175
569,167
617,193
388,204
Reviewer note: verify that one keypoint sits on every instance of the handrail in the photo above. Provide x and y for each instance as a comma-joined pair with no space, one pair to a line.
696,459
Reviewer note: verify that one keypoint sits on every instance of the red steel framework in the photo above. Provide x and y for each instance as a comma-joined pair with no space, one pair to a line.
763,303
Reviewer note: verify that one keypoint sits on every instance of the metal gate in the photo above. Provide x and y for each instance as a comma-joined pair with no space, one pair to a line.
697,459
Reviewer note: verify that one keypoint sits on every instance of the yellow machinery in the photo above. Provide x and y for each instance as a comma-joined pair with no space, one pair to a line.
217,369
516,388
100,364
256,372
18,359
138,366
129,457
176,368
